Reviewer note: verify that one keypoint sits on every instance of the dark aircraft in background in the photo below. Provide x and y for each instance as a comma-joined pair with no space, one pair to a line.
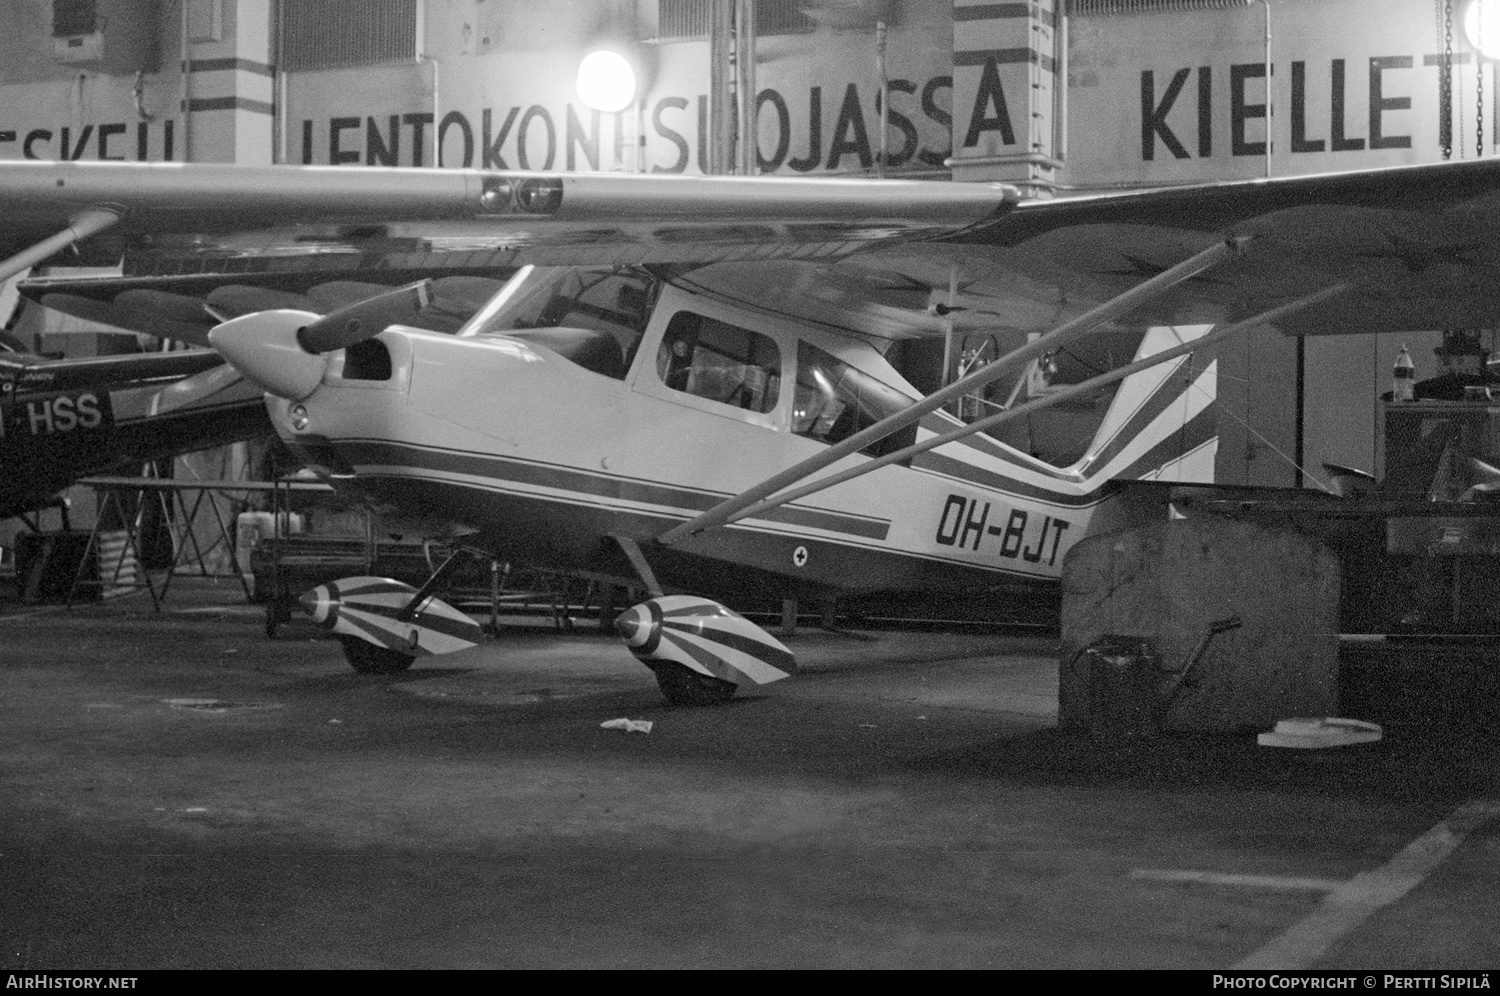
61,420
64,419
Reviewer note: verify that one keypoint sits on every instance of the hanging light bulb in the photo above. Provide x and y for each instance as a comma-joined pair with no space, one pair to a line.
1482,27
606,81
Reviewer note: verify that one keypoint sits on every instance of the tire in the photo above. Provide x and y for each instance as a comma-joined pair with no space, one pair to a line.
277,612
682,686
366,658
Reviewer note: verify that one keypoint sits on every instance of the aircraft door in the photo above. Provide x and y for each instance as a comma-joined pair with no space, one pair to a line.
709,398
707,358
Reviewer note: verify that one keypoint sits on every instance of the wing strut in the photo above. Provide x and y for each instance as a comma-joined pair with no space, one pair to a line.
80,227
1063,334
1051,398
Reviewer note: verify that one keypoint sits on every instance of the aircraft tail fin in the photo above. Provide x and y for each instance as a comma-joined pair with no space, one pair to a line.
1160,425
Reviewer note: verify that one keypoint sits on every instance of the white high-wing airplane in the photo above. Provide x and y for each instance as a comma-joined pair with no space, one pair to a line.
650,395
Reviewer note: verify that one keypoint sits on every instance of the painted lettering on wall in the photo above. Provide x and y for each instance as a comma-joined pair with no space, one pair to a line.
1185,112
841,134
1166,119
111,140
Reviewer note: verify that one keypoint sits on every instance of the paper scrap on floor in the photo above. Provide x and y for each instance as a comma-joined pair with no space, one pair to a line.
1315,732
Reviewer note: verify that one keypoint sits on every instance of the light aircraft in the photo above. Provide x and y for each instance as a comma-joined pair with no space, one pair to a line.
649,396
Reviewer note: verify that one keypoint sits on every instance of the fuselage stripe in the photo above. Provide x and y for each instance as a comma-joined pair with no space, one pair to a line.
503,470
378,483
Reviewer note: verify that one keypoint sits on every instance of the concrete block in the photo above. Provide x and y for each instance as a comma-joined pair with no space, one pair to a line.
1169,581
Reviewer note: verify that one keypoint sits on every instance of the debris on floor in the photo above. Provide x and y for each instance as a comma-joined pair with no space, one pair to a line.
1320,732
628,725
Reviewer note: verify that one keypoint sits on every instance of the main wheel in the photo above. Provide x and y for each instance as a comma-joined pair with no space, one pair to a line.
683,686
366,658
275,616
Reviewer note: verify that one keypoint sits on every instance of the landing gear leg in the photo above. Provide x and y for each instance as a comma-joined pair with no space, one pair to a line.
277,612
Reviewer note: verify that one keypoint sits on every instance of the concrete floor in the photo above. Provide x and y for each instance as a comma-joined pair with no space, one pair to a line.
178,791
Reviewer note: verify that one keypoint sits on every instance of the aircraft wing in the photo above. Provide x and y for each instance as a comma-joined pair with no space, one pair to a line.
1417,246
213,214
200,243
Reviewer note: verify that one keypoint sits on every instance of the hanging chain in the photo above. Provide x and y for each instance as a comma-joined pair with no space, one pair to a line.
1461,140
1478,83
1445,78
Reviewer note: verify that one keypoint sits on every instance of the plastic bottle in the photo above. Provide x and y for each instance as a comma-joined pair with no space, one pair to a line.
1404,377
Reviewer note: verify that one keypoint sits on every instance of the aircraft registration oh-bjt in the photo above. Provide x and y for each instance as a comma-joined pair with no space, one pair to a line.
714,384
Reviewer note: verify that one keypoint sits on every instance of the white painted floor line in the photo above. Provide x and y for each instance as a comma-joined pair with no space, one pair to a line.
226,610
49,610
1225,878
1354,901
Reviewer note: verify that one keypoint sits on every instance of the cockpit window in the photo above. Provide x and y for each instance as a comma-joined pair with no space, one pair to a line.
722,362
833,401
616,301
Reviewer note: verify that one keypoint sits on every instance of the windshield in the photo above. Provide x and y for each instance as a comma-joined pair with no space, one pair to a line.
834,400
616,300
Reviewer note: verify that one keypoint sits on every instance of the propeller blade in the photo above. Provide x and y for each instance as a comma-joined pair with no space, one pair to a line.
368,318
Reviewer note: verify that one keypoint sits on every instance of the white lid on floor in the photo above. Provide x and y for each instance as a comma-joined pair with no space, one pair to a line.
1327,731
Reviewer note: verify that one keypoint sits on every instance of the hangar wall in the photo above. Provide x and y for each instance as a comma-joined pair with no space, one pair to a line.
1173,95
1157,92
1180,96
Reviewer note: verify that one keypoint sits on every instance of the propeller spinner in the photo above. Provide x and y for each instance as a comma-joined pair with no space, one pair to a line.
285,351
